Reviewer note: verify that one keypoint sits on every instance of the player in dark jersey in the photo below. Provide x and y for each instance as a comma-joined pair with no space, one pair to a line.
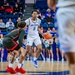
13,43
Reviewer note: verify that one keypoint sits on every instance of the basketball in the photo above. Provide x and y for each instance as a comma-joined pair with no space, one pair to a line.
47,36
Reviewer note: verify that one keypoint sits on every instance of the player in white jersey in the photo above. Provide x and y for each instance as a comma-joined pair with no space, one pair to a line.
66,23
33,35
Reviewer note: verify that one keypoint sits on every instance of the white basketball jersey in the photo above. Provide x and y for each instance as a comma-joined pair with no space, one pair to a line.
62,3
33,27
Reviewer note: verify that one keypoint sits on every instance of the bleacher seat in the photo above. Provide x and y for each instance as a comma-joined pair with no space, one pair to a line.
43,21
14,20
5,20
42,4
9,16
2,16
45,26
16,16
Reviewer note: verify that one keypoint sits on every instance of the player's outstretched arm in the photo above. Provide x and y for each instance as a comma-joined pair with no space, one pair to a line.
51,3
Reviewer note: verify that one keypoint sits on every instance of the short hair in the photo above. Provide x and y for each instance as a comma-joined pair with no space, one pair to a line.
0,18
34,11
21,24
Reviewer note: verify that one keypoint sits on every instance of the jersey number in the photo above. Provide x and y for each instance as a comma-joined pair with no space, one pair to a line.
34,28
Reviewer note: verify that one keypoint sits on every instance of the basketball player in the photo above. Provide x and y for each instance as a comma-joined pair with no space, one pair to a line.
10,43
55,38
48,47
1,47
66,23
33,35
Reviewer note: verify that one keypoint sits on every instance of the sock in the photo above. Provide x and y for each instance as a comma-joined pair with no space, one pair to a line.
19,65
35,58
10,65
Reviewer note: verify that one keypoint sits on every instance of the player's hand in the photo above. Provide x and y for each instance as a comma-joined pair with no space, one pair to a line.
51,4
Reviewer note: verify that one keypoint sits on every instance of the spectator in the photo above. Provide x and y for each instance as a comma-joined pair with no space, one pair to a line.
54,33
16,9
48,12
42,16
49,18
53,30
39,14
1,9
10,25
18,20
5,3
8,8
49,24
53,12
19,4
2,25
49,30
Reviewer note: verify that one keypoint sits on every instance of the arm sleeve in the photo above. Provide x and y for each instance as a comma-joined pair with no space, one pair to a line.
21,37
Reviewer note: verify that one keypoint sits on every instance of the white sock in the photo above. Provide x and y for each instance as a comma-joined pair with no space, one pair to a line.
19,65
10,65
35,58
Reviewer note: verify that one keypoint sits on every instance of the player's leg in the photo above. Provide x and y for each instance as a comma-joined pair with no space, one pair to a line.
2,53
9,57
33,50
48,54
29,44
17,58
57,53
71,61
67,34
51,54
62,54
43,51
39,47
36,55
22,57
10,67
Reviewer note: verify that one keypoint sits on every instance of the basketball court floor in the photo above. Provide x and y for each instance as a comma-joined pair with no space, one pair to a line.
45,68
